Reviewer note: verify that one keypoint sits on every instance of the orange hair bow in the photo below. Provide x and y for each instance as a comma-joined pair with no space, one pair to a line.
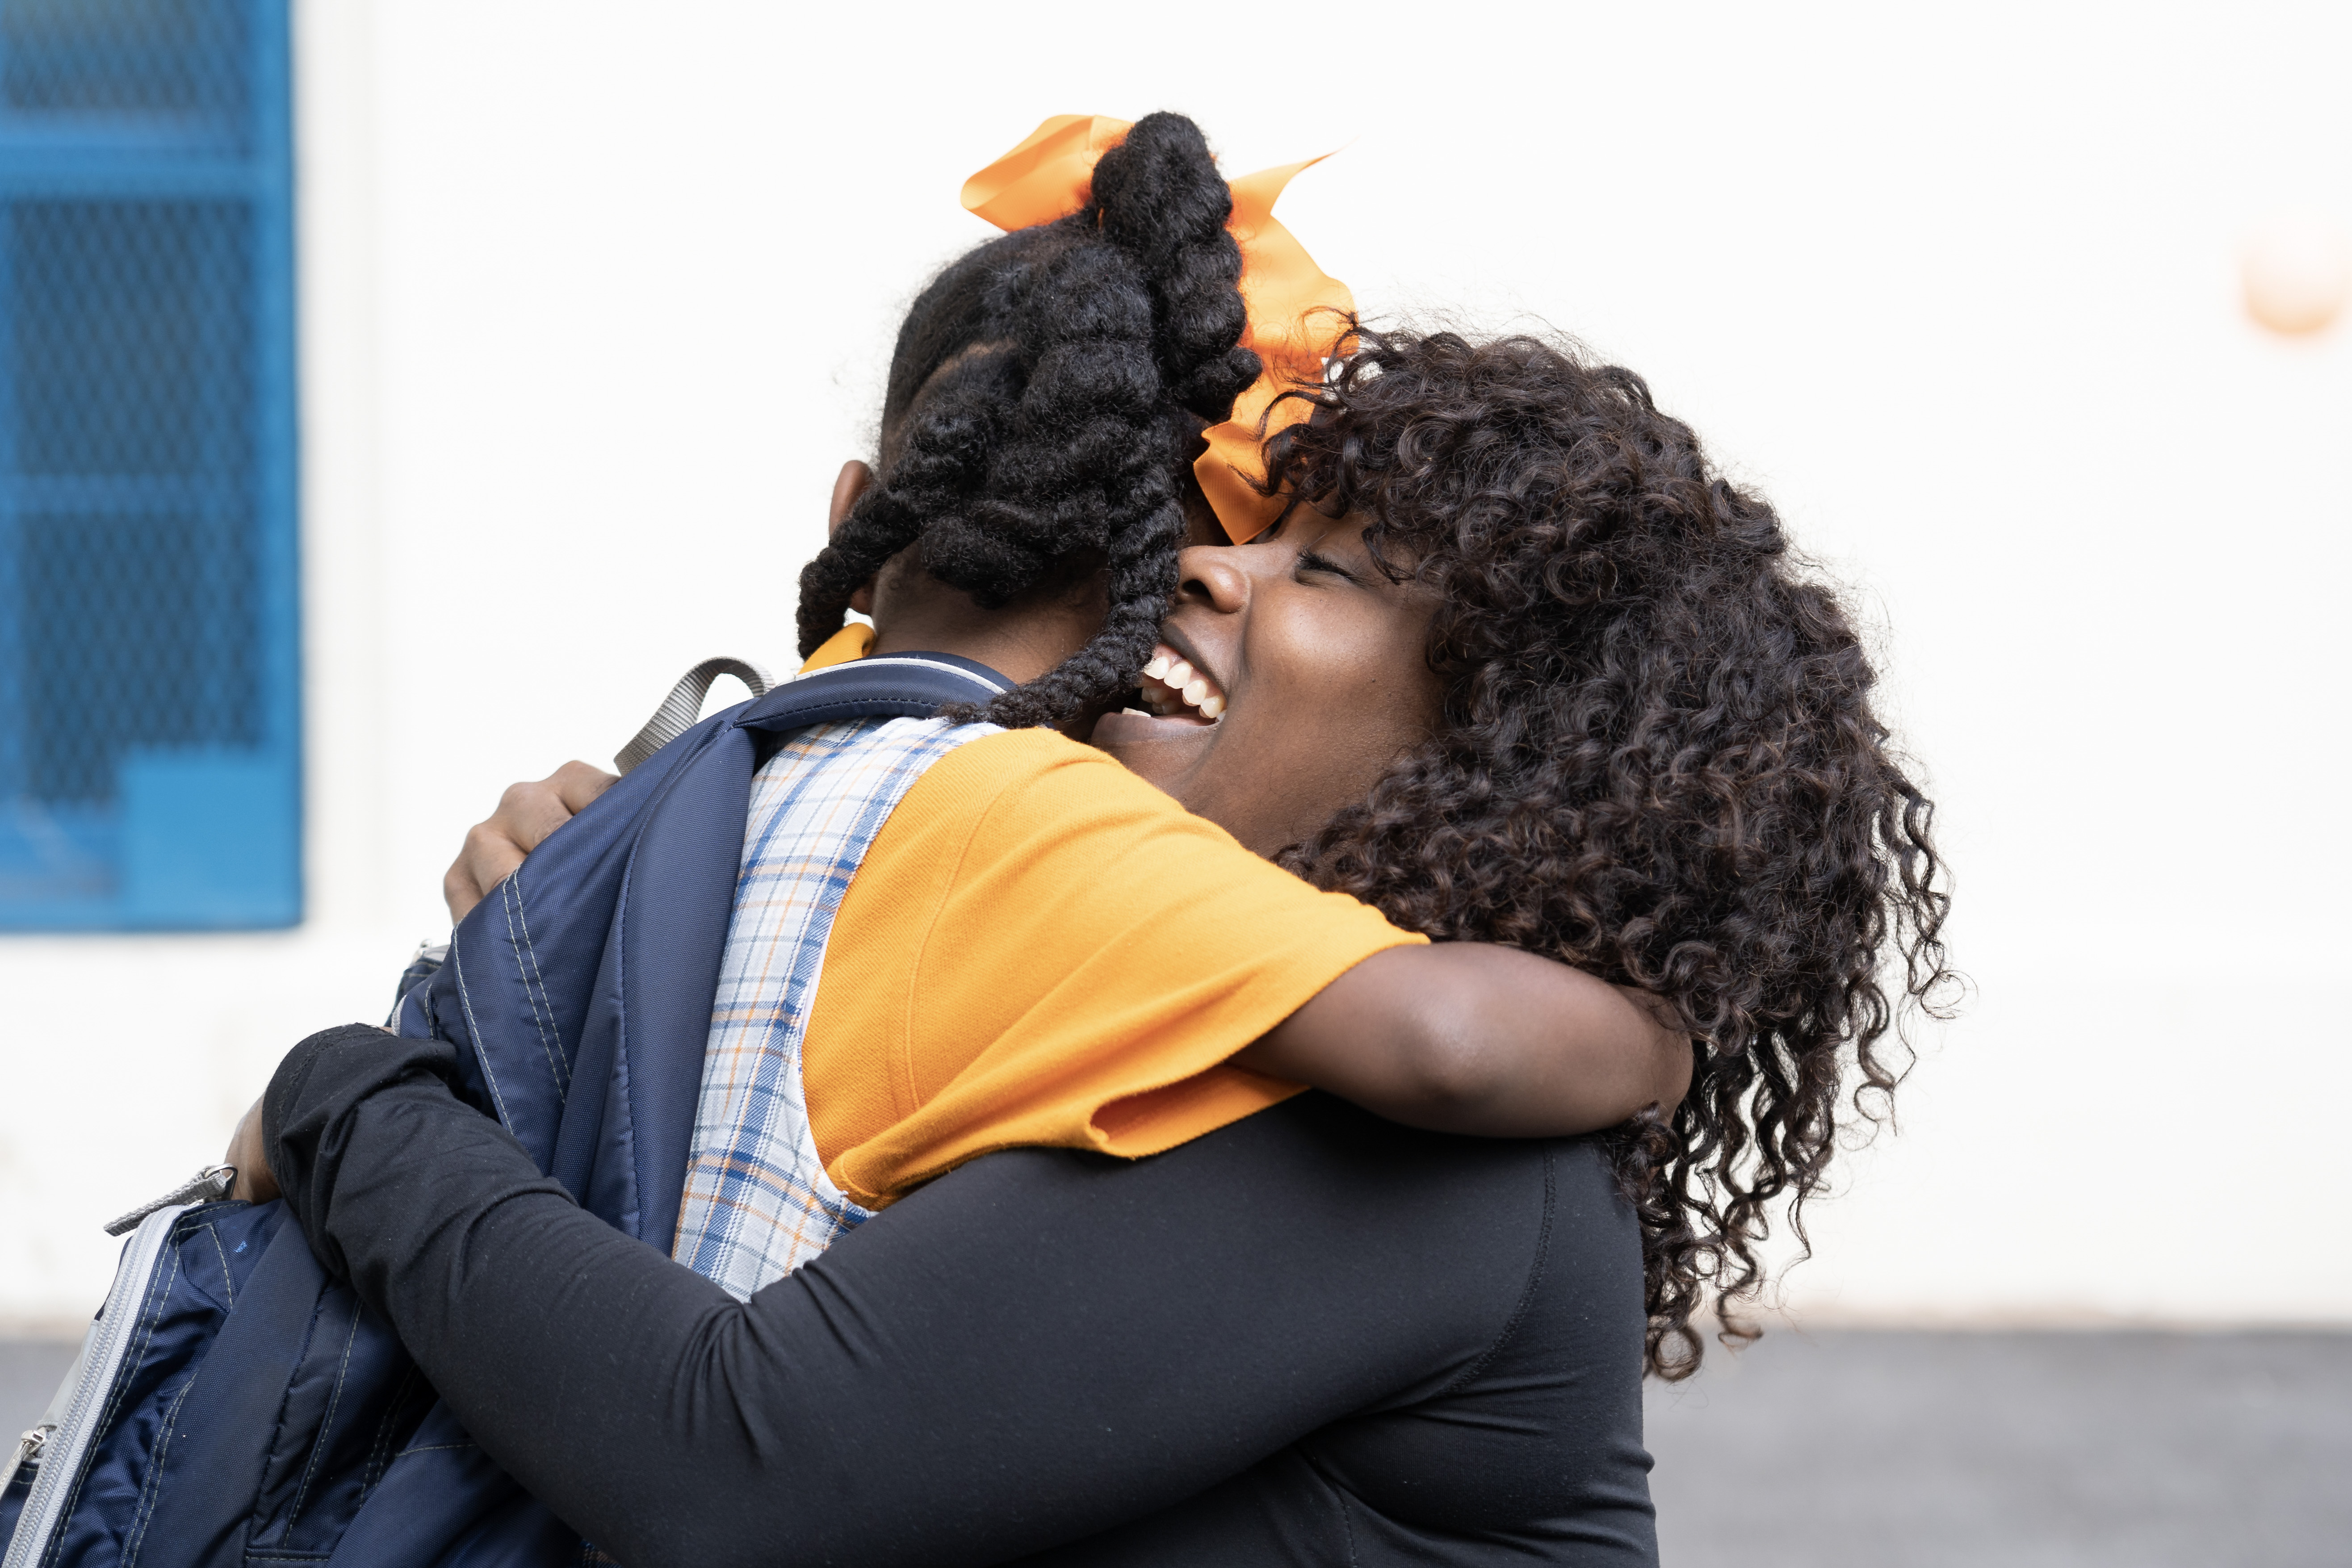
1290,300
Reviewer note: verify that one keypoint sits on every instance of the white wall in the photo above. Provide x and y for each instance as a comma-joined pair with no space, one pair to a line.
597,296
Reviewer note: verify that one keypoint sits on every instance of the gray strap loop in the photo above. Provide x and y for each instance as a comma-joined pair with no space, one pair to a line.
683,706
208,1185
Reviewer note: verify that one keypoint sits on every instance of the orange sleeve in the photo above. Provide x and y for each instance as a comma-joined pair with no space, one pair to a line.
1041,949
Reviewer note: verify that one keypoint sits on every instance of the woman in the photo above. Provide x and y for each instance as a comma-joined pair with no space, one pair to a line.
1308,1334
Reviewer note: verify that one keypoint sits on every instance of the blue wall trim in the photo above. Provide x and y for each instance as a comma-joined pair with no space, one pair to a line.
150,625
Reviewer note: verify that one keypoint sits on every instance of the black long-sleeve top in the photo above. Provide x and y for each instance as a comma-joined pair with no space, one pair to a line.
1309,1336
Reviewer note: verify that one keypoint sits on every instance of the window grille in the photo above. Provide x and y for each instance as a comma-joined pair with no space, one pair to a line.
150,761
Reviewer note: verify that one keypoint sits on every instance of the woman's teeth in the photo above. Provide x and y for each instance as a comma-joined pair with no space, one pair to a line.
1170,683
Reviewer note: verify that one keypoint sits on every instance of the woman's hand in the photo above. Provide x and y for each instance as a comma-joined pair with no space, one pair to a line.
254,1182
527,814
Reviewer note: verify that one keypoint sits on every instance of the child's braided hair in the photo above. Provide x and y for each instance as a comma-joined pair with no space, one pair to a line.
1046,390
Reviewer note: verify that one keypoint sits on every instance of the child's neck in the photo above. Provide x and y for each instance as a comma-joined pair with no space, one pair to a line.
1020,641
1016,660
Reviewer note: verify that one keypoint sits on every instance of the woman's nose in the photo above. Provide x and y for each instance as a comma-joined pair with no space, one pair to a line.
1213,575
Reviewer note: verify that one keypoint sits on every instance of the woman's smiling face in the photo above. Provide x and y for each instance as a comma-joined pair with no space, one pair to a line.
1308,678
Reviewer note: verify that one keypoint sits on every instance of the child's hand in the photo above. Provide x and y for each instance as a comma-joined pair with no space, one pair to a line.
527,814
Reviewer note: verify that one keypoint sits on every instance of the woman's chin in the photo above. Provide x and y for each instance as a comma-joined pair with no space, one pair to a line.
1158,749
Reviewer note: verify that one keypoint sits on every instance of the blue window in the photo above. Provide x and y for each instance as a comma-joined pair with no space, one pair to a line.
150,745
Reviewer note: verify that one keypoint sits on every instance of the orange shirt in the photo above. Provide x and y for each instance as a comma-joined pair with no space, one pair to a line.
1041,949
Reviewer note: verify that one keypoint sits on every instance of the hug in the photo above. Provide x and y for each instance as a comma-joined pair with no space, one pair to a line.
1394,885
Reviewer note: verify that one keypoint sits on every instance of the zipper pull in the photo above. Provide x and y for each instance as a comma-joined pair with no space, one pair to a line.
207,1185
29,1446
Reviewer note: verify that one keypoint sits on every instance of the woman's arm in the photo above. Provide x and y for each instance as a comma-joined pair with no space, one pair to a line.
1033,1349
1463,1036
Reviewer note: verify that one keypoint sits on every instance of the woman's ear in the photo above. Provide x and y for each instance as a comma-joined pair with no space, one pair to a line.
847,486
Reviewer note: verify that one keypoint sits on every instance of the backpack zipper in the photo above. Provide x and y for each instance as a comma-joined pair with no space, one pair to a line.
29,1446
62,1441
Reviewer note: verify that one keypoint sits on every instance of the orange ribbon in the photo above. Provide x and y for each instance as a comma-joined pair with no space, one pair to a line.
1296,308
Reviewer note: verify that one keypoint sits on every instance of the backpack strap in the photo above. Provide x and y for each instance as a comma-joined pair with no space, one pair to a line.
895,686
622,1145
683,706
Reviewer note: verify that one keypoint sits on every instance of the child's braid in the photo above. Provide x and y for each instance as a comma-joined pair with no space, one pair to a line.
1090,351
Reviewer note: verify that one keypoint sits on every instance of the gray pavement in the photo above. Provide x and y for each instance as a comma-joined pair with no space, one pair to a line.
2020,1450
1877,1449
29,1371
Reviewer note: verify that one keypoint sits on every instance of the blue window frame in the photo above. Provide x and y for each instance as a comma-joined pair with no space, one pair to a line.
150,740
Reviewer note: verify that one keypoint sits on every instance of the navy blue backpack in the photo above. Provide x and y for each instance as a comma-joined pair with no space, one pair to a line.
234,1406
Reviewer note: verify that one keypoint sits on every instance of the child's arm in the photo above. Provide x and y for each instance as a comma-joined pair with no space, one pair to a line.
1468,1037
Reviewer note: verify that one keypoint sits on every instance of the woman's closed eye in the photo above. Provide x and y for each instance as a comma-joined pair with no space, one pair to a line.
1316,560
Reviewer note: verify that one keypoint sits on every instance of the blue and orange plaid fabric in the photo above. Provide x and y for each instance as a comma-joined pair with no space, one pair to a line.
758,1203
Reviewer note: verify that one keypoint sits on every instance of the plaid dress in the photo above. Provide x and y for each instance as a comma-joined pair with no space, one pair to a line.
758,1203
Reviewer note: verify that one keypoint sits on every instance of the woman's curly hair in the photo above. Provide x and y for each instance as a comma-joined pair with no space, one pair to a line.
1045,395
1658,762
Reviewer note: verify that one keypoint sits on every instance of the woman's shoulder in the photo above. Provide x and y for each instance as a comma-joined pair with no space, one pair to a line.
1522,1223
1465,1313
1473,1242
1533,1415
